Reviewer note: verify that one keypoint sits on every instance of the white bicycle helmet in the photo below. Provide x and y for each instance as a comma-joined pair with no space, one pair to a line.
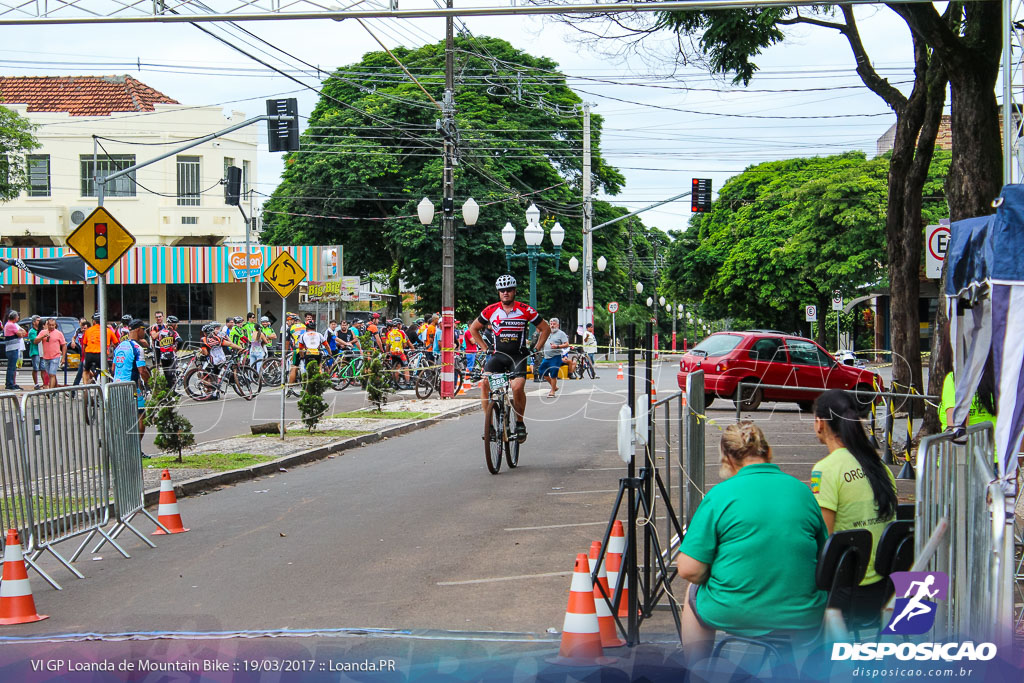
505,282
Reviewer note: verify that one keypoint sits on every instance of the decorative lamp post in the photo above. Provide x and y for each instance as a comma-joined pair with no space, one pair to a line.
470,214
533,233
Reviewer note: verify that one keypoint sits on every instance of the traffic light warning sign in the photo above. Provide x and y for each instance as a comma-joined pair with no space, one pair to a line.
700,196
101,240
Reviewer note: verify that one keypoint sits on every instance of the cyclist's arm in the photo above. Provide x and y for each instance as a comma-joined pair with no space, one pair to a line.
543,330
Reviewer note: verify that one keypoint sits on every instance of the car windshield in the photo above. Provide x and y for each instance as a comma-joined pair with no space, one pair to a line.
717,345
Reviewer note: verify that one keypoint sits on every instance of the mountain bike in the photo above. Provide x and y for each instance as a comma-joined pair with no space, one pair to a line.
429,379
346,369
206,382
583,364
499,426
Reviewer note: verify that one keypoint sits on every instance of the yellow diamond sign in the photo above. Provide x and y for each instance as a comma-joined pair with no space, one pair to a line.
100,240
284,274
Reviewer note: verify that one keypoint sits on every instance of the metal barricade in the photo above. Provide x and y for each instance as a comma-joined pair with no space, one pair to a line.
665,454
123,450
69,475
955,486
696,422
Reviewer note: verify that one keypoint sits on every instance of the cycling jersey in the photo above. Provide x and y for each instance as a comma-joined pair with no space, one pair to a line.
396,341
295,331
167,340
510,327
310,342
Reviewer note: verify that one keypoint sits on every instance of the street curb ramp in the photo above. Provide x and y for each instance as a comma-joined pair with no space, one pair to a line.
191,487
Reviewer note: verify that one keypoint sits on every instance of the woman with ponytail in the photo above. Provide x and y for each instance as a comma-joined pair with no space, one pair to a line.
854,489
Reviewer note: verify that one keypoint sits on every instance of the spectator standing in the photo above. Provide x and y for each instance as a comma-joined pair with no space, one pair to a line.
756,512
91,344
470,346
590,343
33,350
854,489
51,346
77,345
556,341
14,336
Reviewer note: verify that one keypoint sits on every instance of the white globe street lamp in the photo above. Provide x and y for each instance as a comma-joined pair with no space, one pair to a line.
602,263
639,288
508,235
574,264
661,300
425,211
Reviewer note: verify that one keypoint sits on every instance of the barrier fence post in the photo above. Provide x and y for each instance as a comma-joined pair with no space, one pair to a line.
695,425
632,625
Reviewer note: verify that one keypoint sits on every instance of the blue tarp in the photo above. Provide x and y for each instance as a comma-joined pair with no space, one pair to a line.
988,248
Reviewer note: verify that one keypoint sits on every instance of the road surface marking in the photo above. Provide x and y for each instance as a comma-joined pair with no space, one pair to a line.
573,493
502,578
554,526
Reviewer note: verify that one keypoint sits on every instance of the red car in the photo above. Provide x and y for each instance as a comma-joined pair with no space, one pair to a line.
768,358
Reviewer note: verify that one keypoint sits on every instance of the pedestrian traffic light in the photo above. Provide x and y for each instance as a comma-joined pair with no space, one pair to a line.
233,186
283,136
700,197
100,240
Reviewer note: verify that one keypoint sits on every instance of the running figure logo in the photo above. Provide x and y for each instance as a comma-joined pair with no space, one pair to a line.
914,613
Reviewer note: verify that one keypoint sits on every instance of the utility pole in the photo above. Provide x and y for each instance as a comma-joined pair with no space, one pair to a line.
588,219
448,214
632,288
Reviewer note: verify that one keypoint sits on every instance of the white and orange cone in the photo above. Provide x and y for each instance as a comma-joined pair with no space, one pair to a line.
167,511
616,549
17,605
654,394
605,620
619,374
466,385
581,637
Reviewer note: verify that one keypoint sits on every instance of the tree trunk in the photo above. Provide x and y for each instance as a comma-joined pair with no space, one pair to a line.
975,173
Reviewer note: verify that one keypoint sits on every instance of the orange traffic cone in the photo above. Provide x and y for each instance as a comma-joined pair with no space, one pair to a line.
16,603
619,374
654,394
466,386
605,620
581,638
167,512
616,549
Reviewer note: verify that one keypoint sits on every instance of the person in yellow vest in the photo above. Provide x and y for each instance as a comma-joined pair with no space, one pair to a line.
396,343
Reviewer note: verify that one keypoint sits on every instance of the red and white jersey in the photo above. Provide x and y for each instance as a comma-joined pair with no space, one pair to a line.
510,327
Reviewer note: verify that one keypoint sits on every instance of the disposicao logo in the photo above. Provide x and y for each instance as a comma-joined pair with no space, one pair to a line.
914,613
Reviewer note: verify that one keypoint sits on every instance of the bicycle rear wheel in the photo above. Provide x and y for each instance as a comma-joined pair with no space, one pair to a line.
590,368
246,382
493,437
511,442
200,385
270,372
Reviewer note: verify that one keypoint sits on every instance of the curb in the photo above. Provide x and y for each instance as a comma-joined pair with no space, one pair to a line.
196,485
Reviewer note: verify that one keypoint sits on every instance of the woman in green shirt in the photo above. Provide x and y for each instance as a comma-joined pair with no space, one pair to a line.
854,489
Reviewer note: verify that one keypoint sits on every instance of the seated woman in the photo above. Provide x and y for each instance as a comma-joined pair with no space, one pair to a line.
855,491
751,550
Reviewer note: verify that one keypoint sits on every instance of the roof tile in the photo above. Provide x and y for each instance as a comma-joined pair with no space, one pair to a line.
81,95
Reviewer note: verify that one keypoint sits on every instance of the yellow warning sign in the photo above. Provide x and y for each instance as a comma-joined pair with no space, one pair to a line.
284,274
100,240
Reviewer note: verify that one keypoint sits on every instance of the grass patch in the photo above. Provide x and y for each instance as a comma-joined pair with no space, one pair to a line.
386,415
219,462
46,508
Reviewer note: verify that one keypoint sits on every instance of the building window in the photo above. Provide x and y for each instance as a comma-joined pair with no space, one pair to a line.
123,186
245,176
190,302
228,163
38,175
190,220
188,181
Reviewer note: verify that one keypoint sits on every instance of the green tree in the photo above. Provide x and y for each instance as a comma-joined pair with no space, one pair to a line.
371,152
788,233
16,140
374,379
173,430
312,404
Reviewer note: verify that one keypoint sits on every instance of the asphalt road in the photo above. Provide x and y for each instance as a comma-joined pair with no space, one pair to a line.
411,532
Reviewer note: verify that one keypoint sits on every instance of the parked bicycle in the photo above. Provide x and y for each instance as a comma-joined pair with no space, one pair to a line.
345,370
583,364
499,425
428,380
207,381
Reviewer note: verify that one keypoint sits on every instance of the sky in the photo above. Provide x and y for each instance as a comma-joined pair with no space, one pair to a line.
663,126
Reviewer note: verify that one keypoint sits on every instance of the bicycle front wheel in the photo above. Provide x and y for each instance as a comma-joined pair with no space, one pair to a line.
511,442
493,437
245,382
200,385
425,384
270,372
590,369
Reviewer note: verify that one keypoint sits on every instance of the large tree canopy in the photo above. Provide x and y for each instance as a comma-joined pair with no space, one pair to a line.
16,140
371,152
784,234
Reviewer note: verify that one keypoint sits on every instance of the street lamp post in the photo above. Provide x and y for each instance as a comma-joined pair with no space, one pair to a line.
676,315
534,235
470,213
574,265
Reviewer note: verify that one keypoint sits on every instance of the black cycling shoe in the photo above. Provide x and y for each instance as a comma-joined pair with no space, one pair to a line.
520,432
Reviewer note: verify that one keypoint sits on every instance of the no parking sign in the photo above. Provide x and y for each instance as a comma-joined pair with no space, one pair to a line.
811,314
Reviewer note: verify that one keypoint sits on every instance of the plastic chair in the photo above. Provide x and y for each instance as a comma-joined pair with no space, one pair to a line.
905,511
895,552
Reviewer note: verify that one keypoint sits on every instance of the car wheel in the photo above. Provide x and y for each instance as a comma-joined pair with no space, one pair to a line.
751,395
805,406
708,400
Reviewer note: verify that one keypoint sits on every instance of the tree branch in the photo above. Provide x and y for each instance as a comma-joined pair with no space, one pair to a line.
878,85
813,22
925,21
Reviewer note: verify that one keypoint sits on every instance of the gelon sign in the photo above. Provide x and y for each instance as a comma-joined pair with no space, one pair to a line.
238,267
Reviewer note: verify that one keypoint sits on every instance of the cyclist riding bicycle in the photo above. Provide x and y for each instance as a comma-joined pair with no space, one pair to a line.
167,341
294,331
397,342
509,320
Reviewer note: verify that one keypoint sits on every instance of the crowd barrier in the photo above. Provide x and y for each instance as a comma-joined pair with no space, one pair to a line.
971,519
65,455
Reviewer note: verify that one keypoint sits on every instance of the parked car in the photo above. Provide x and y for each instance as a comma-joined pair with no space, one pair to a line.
770,358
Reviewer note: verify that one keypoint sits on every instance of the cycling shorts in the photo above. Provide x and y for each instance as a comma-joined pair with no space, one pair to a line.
92,363
503,362
400,358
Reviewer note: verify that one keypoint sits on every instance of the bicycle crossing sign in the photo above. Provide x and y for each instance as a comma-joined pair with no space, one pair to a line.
284,274
100,240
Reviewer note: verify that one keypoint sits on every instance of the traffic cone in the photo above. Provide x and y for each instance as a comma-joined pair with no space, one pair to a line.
167,511
581,637
605,620
616,549
619,374
466,386
654,394
16,603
